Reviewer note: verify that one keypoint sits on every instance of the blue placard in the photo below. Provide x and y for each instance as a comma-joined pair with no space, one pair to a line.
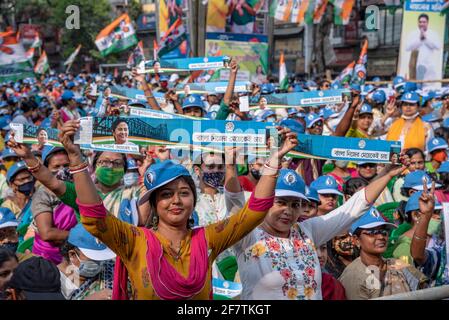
213,87
424,5
183,65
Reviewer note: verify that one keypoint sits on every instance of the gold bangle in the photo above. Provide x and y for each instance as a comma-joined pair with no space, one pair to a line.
419,238
36,167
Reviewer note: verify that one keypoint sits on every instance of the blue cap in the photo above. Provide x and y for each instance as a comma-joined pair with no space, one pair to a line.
445,123
431,117
8,152
159,174
163,78
267,88
291,111
194,100
290,184
132,164
326,113
410,86
267,113
411,97
376,79
15,169
379,96
297,88
293,125
326,185
311,118
90,246
48,150
370,219
312,194
366,108
414,180
70,85
436,144
336,85
4,122
311,84
368,88
413,202
398,82
7,218
444,167
67,95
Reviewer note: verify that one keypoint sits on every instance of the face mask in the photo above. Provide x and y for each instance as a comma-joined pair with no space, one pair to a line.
437,105
439,156
213,179
12,246
8,164
271,119
130,178
27,188
433,226
109,176
89,268
410,117
341,164
256,174
64,174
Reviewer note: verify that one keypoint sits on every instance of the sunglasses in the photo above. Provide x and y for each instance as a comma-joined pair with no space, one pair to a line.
375,232
368,165
317,124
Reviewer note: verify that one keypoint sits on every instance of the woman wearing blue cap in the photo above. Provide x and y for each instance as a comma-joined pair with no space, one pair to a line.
169,261
278,259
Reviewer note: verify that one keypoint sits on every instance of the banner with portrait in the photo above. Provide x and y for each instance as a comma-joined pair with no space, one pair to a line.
422,42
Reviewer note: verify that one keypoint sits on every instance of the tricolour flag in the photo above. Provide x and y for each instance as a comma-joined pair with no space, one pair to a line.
30,53
42,65
72,57
359,75
346,75
14,63
342,11
174,38
116,37
282,10
320,9
136,56
37,43
283,78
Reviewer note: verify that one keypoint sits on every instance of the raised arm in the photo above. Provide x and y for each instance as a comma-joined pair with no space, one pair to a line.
147,90
230,88
39,171
346,121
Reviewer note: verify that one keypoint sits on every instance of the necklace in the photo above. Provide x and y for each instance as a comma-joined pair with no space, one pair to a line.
176,254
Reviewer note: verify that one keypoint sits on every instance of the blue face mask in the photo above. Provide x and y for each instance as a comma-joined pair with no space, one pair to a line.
213,179
130,178
89,268
12,246
437,105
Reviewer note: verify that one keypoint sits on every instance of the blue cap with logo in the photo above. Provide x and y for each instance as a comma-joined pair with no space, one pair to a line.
90,246
292,111
5,120
326,113
366,108
8,152
7,218
159,174
312,194
437,144
414,180
413,202
311,118
379,96
410,86
444,167
267,113
267,88
48,150
67,95
326,185
194,100
15,169
410,97
432,117
290,184
398,82
132,164
293,125
370,219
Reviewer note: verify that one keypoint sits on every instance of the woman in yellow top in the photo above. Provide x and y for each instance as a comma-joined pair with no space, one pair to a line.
362,123
410,129
169,261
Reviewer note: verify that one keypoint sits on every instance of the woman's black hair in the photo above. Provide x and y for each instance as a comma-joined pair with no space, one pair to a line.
65,248
6,255
412,151
39,130
117,122
99,153
442,132
444,180
154,218
353,185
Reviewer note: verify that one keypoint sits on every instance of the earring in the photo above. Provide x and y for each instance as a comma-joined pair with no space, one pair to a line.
190,223
155,222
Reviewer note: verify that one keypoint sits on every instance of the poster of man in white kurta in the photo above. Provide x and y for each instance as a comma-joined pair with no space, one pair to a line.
421,54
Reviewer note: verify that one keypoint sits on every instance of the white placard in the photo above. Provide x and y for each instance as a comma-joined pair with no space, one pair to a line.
446,228
84,134
18,131
244,104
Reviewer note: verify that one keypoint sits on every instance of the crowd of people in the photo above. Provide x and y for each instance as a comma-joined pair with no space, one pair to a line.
80,224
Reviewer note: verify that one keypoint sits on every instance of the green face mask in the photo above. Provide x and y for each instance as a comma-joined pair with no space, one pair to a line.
109,176
433,227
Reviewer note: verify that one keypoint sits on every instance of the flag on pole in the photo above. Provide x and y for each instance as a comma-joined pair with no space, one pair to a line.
346,75
30,53
281,10
283,78
136,56
42,65
37,43
342,11
320,9
303,8
72,57
310,11
14,63
359,75
116,37
155,50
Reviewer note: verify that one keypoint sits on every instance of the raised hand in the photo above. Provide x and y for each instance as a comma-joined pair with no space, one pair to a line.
397,169
427,199
289,141
20,149
138,77
234,65
391,108
66,134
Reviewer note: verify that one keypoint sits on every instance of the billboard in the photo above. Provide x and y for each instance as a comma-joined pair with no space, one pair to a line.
422,41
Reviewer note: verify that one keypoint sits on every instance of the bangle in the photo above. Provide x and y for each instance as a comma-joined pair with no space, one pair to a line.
79,167
419,238
72,172
149,96
35,168
267,165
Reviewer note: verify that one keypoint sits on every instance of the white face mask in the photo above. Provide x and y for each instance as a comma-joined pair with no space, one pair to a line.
410,117
271,119
341,164
130,178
